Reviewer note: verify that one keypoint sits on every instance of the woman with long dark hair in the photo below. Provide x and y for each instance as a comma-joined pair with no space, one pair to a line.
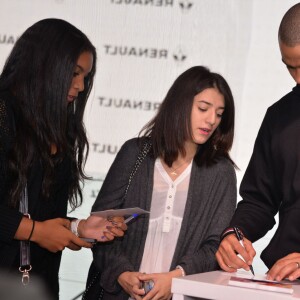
44,87
187,182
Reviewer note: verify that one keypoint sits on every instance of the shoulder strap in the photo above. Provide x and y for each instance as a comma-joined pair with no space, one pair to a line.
141,156
25,265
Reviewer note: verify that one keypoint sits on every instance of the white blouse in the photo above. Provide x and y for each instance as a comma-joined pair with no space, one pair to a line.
166,213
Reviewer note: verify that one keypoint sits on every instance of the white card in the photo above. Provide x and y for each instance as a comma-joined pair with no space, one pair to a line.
120,212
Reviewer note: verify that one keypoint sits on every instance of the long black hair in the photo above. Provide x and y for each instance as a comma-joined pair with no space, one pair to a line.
39,72
171,127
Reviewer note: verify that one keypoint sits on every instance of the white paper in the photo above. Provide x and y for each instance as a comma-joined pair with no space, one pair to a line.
260,282
248,274
120,212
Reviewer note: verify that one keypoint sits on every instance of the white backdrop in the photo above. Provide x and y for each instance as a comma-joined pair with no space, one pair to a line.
143,45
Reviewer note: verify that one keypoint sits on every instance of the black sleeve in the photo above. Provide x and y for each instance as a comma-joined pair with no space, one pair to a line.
261,198
9,218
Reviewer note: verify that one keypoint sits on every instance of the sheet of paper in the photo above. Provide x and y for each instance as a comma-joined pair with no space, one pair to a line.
260,283
248,274
120,212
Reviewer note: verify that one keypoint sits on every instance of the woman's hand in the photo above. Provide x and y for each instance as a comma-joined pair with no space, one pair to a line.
101,229
131,284
162,284
54,235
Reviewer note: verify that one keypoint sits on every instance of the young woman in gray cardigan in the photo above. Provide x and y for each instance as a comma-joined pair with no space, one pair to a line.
187,182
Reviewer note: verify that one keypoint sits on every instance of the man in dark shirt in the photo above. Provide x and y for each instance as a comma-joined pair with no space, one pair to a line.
272,180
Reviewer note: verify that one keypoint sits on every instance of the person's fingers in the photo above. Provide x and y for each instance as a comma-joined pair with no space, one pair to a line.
136,297
150,295
78,242
295,274
115,220
249,248
245,258
121,225
225,258
118,222
137,290
229,248
281,271
108,236
116,231
273,273
65,222
284,268
294,256
223,265
145,277
73,246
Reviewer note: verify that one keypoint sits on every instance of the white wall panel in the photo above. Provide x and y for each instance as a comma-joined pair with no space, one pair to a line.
143,45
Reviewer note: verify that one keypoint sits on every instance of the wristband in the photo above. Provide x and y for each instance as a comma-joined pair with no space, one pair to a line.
74,226
226,232
30,235
229,231
181,269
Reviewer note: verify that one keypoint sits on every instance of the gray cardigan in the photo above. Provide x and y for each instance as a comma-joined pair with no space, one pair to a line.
210,205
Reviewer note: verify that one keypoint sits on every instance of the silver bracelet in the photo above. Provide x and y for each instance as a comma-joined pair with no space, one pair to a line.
74,226
181,269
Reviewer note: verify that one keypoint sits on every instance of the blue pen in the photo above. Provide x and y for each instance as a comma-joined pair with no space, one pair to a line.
131,218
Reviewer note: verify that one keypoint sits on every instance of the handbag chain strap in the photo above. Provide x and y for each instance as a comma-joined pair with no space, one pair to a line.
141,156
25,265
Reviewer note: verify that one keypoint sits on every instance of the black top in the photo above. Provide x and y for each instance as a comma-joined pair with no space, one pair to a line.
44,263
272,181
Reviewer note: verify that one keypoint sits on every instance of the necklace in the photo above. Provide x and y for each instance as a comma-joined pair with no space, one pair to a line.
174,173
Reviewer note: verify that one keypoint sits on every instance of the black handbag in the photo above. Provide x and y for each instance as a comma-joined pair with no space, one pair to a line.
93,289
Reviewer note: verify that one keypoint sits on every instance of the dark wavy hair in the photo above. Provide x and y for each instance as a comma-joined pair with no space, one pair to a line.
39,72
171,127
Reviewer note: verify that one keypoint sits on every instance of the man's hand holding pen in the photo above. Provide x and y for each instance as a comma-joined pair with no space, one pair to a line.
240,238
229,249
